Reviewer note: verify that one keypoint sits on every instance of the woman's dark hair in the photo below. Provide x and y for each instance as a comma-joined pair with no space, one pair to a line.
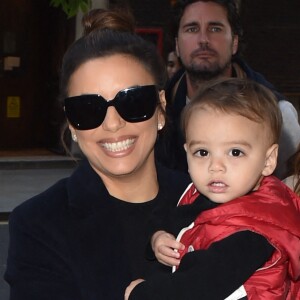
117,19
106,33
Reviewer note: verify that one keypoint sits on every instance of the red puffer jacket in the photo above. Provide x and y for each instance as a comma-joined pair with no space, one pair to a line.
272,211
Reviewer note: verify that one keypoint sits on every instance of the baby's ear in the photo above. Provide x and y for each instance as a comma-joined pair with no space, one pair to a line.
271,160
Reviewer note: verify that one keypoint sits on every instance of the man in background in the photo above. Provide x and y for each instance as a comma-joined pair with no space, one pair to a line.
208,39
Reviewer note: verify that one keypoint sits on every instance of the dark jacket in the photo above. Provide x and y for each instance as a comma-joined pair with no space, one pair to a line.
75,241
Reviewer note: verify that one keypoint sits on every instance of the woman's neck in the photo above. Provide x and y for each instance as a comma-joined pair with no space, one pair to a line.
137,187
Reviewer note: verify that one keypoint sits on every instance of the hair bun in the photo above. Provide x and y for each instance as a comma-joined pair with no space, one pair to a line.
101,19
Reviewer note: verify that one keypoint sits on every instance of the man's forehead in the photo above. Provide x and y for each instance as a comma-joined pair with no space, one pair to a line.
210,11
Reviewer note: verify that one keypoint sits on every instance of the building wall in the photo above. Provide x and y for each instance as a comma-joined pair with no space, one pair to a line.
272,34
38,35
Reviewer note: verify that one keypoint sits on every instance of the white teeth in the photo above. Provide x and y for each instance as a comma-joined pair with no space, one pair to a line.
218,184
118,146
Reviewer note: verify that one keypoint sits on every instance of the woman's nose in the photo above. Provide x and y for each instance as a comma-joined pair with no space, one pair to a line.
113,121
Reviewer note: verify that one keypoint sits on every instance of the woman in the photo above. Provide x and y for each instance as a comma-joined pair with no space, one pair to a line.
173,64
84,238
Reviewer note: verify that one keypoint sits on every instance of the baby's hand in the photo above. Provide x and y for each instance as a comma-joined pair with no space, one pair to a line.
166,248
131,286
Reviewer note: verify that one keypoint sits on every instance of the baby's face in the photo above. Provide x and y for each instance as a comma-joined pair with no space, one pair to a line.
227,154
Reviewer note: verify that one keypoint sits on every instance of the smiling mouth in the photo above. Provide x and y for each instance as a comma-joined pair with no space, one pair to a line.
217,184
118,146
217,187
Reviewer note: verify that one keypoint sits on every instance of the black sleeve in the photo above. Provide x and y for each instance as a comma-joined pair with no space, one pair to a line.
211,274
183,215
35,270
178,218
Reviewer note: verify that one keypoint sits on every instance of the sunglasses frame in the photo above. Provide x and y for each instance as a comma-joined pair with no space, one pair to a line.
134,104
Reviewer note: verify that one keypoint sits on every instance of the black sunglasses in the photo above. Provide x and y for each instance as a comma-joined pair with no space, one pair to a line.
135,104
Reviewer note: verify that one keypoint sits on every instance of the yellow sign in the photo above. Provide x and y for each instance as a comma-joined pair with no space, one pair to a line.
13,107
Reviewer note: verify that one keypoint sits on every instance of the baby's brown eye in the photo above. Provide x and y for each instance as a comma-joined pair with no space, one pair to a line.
201,152
236,152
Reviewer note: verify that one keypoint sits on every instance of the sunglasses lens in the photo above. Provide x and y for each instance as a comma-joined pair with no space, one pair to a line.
85,112
137,104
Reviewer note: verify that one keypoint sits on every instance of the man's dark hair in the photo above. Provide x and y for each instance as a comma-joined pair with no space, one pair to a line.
230,6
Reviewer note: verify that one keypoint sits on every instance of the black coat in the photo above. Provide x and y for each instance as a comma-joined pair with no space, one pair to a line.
75,241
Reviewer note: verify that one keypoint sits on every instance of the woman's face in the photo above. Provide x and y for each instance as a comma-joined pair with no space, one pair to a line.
116,147
173,64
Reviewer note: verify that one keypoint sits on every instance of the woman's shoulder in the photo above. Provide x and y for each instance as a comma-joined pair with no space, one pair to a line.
43,205
59,196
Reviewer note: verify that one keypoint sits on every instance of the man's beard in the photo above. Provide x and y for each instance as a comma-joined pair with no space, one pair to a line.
204,73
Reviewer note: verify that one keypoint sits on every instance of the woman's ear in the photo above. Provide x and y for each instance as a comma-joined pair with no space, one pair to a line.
71,128
185,147
162,99
271,160
73,133
162,110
